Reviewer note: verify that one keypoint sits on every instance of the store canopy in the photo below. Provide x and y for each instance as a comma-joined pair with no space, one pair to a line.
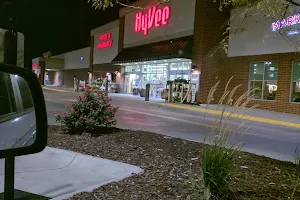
175,48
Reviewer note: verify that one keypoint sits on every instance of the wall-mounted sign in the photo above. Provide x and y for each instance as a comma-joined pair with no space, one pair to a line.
105,41
154,17
289,21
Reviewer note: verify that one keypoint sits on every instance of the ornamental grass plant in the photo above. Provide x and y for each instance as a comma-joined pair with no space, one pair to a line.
219,157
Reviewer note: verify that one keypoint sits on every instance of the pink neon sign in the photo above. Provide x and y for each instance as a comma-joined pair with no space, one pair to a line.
154,17
289,21
105,41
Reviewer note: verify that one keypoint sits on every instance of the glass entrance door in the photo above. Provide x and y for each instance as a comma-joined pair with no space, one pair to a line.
131,81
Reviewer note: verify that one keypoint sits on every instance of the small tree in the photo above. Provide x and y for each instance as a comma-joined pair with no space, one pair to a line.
88,112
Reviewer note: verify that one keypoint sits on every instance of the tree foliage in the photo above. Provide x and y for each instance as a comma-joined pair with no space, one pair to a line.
102,4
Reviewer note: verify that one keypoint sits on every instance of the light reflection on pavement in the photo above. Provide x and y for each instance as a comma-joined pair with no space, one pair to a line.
264,139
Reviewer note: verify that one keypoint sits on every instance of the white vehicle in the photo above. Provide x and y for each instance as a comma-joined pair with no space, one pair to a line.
17,114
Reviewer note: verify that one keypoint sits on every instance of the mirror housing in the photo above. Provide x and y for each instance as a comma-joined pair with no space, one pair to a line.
39,108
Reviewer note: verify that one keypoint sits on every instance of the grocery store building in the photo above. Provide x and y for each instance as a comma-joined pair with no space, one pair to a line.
158,49
259,55
59,70
181,39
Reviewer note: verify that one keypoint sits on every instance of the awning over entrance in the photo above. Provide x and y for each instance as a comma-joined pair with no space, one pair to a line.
175,48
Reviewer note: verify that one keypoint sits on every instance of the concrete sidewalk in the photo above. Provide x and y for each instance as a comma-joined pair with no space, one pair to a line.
258,115
59,174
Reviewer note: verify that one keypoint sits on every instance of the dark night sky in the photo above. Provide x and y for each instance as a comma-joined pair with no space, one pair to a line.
55,25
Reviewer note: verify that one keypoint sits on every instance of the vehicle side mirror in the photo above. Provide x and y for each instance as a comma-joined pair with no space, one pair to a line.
23,116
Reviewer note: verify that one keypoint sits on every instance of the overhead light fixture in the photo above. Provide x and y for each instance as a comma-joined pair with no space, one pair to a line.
154,61
178,59
144,62
194,67
136,63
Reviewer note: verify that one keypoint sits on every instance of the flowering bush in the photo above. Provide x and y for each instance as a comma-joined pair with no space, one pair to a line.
90,111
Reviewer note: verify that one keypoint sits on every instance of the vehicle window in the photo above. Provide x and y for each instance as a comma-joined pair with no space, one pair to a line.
7,101
25,93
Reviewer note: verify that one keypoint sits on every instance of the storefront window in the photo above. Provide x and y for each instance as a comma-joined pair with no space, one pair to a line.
180,66
154,73
135,68
295,97
264,78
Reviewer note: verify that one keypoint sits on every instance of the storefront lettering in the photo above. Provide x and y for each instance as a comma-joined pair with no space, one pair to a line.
289,21
105,41
155,17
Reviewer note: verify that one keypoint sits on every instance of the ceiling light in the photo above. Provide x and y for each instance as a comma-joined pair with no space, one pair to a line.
136,63
154,61
178,59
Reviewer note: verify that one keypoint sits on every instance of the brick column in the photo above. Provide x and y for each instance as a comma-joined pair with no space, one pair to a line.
208,53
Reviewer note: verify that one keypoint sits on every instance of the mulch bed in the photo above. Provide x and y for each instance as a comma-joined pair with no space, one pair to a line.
172,167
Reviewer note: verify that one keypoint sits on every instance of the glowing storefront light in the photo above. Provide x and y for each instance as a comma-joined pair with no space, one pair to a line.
105,41
154,17
289,21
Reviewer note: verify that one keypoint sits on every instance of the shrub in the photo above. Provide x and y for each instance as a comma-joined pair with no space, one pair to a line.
218,159
90,111
218,163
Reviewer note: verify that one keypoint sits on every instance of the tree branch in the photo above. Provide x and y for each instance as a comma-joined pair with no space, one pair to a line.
293,3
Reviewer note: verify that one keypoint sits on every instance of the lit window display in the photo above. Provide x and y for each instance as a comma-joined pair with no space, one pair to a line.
264,78
295,97
157,75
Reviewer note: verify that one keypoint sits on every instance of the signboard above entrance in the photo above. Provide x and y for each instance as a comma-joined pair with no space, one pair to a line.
289,21
154,17
105,41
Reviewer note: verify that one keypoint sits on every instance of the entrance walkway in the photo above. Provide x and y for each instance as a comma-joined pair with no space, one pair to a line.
136,97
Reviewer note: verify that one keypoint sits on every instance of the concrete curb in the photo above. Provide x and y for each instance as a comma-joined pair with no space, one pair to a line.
237,116
57,90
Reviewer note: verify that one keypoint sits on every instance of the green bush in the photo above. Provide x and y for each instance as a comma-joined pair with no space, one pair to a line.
217,167
88,112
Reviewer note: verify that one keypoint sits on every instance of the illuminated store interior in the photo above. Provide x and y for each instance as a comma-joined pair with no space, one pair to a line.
156,73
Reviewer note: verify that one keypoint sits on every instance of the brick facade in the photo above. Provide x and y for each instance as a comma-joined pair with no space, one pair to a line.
215,65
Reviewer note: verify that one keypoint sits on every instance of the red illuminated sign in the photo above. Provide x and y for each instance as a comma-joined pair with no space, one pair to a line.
105,41
155,17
